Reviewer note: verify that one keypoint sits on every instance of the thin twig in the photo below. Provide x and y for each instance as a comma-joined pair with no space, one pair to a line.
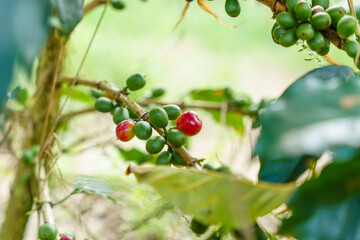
90,6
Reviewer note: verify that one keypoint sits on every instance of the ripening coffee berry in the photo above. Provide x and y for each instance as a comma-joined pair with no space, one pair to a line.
173,111
120,114
346,26
136,81
317,42
289,38
336,13
158,117
197,227
324,3
143,130
321,20
305,31
351,48
104,104
69,234
163,158
189,123
176,137
303,10
232,8
155,144
66,237
125,130
286,20
47,231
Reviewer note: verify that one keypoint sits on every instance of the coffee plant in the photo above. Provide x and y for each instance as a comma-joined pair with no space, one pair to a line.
308,143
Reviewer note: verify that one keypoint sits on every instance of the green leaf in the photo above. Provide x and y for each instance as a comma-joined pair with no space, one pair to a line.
327,207
69,12
214,95
136,155
319,112
214,197
79,94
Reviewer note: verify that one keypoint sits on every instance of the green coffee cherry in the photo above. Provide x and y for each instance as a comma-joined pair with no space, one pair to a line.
209,167
278,32
173,111
286,20
157,92
232,8
177,159
143,130
164,158
158,117
321,20
305,31
303,10
275,26
289,38
290,4
104,104
47,231
132,114
346,26
155,144
197,227
118,4
96,93
351,48
325,50
336,13
176,137
136,81
120,114
324,3
317,42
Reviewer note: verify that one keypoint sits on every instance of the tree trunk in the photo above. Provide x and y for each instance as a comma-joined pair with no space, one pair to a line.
26,180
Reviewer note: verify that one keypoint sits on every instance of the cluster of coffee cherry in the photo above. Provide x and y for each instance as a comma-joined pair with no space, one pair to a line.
306,21
48,231
185,124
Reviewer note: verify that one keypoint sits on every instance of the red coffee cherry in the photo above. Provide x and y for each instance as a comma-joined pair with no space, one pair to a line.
66,237
125,130
189,123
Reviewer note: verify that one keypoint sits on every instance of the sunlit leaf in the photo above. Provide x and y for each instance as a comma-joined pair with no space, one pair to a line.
319,112
233,119
213,95
327,207
79,94
95,186
214,197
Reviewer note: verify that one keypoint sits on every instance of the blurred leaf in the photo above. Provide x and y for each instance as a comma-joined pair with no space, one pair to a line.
215,95
214,197
23,33
69,12
136,155
79,94
319,112
327,207
233,119
93,185
19,93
